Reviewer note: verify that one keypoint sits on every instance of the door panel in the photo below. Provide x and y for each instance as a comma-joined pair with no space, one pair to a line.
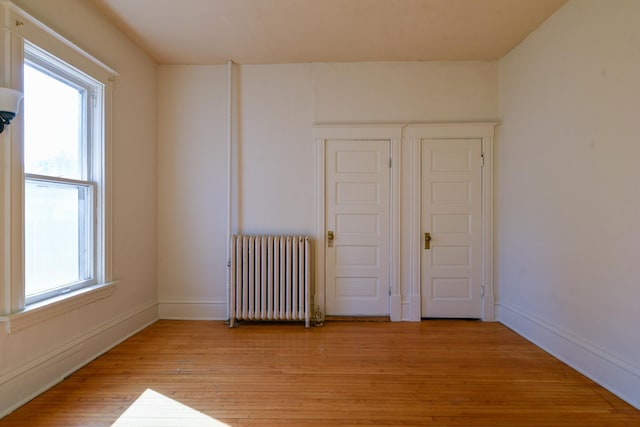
357,211
451,213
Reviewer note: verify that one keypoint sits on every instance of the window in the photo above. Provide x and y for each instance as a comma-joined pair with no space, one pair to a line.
55,209
63,161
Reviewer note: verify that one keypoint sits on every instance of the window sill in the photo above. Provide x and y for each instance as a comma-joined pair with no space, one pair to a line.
44,310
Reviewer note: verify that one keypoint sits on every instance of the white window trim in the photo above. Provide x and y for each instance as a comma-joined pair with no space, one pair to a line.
25,26
44,310
17,27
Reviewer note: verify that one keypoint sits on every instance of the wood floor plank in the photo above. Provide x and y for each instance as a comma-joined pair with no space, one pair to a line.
432,373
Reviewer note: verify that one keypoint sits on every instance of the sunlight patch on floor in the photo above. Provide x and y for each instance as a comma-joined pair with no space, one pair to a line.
153,409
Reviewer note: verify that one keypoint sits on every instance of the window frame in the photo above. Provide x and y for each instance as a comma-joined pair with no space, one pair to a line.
90,162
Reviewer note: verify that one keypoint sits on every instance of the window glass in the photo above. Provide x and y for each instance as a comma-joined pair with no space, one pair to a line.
53,126
56,236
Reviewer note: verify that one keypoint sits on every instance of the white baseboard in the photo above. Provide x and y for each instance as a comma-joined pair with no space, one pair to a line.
193,309
28,381
411,310
488,308
617,376
396,308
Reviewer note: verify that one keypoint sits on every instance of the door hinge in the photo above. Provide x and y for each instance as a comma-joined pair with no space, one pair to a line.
482,291
389,290
389,163
481,160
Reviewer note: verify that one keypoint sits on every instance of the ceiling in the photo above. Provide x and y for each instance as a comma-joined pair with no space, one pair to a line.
298,31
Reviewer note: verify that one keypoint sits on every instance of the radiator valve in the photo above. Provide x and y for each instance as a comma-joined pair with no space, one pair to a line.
317,319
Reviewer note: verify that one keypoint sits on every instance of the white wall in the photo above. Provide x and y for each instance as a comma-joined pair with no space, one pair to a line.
277,106
38,356
191,187
569,212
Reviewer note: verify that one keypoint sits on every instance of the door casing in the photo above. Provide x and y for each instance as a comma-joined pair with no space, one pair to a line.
393,134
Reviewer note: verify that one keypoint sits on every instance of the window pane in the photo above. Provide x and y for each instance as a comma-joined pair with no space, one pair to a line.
57,235
53,126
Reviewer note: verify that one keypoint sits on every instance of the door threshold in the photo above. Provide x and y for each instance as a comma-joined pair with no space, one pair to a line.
357,318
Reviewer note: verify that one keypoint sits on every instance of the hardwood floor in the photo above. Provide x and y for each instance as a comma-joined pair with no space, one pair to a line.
433,373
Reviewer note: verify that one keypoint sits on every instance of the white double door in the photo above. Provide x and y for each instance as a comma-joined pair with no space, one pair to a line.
357,252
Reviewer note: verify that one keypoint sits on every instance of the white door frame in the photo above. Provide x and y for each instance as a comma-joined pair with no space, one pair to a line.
412,137
393,134
405,139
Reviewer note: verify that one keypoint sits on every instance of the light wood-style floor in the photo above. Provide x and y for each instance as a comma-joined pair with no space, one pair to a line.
433,373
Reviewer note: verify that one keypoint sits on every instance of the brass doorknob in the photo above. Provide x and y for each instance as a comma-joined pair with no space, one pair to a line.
427,240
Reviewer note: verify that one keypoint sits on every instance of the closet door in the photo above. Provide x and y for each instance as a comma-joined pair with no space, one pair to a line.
451,223
357,252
